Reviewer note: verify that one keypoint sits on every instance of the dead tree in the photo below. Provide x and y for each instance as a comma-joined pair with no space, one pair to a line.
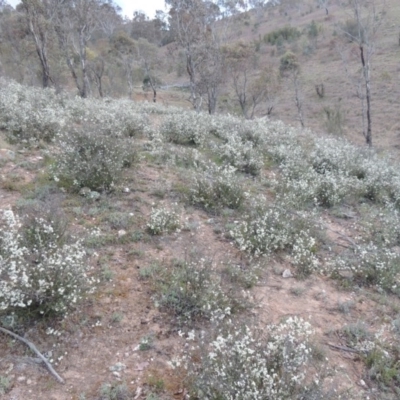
361,30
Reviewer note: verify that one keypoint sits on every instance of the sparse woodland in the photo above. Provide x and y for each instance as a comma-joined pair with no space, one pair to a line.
201,205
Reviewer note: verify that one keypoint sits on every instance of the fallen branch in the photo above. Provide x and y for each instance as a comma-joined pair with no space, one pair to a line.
36,351
344,348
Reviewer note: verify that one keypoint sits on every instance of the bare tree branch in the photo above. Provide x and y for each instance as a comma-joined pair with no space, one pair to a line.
36,351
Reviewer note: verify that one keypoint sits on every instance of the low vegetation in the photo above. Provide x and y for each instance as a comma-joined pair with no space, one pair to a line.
268,192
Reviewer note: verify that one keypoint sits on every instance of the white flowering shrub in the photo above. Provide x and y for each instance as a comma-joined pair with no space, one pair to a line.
187,128
238,364
29,114
371,265
88,159
268,229
40,272
163,220
242,155
303,254
111,117
379,225
217,187
191,290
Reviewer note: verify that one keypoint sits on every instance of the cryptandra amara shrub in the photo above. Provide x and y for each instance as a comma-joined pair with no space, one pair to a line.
29,114
234,363
216,188
191,290
269,229
162,220
88,158
188,128
40,272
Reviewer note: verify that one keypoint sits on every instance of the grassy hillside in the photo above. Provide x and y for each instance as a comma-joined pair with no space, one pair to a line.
151,252
321,63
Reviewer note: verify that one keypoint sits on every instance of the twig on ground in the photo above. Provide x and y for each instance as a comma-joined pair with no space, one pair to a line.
36,351
344,348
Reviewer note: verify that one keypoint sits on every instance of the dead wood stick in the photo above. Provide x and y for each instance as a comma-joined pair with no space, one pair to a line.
344,348
36,351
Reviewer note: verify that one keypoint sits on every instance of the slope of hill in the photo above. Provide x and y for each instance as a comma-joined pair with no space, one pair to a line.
321,61
211,256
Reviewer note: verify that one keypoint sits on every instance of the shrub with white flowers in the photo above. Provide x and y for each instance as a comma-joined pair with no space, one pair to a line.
371,265
188,128
163,220
87,158
28,114
242,155
238,364
216,188
40,272
191,290
267,229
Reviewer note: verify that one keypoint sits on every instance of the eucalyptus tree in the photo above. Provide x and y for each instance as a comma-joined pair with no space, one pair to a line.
148,59
194,24
75,24
39,16
362,30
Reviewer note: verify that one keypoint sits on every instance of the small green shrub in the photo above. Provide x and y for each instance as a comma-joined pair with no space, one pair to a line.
335,120
287,33
163,220
270,229
191,290
42,273
236,363
115,391
87,158
187,128
216,188
29,114
5,385
371,265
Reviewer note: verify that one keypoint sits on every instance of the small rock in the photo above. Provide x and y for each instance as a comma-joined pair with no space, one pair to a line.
116,374
121,232
287,273
362,383
29,382
126,190
21,378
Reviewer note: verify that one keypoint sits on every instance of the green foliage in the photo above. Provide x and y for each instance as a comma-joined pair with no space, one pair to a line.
352,30
312,30
162,220
216,188
191,290
335,120
236,362
383,365
371,265
29,114
267,230
287,33
114,391
289,64
5,385
88,158
189,128
42,273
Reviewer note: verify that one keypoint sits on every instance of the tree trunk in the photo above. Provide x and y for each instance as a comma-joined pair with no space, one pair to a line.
366,72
